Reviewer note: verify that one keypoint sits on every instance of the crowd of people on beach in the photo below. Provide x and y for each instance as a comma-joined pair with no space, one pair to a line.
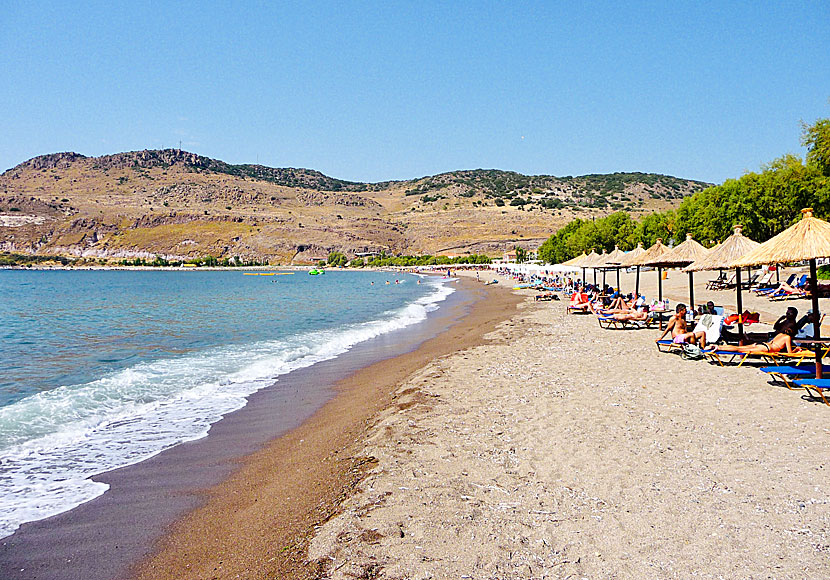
707,328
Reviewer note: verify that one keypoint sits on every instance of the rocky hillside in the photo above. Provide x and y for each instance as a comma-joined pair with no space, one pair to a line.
178,204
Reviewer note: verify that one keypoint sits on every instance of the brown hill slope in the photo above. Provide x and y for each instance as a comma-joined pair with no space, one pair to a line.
179,204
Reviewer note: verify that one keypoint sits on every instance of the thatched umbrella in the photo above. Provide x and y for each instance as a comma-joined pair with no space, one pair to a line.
722,258
654,252
633,254
575,261
807,240
679,256
612,262
584,261
591,262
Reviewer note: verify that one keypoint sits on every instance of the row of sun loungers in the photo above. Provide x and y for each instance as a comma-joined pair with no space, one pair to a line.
791,369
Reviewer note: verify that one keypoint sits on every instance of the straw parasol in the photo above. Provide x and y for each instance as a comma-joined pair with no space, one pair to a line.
633,254
612,262
575,261
654,252
583,262
591,262
809,239
682,255
722,257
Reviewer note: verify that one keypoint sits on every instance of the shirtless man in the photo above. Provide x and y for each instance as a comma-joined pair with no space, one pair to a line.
680,332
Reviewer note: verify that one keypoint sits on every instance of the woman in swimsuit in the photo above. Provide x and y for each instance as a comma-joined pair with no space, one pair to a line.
783,341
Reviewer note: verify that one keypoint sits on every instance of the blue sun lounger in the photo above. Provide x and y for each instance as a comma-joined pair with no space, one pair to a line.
817,385
786,373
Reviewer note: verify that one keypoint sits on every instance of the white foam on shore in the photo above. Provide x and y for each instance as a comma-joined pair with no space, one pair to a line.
51,443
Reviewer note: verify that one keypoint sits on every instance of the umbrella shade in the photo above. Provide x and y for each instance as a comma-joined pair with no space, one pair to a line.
807,240
575,261
723,256
654,252
585,259
599,261
614,258
682,255
590,260
632,255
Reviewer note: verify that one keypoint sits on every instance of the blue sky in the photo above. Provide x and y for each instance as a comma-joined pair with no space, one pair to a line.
370,91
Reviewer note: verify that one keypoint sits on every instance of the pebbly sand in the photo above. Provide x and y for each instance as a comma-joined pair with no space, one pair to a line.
561,450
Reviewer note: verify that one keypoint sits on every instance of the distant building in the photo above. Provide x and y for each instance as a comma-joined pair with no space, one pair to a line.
452,255
510,256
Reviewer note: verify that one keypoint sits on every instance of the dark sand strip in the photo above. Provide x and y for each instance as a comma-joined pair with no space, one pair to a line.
256,522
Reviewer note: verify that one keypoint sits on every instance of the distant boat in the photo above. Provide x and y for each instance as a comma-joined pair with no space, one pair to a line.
316,272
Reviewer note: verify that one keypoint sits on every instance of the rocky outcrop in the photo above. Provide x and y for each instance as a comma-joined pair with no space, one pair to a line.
50,161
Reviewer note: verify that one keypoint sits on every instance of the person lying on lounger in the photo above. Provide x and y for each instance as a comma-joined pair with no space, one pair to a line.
783,341
680,332
631,315
622,306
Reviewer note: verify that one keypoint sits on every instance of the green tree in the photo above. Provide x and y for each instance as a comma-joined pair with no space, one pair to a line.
816,138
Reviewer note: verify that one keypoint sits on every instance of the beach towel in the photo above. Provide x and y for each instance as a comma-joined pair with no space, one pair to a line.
711,324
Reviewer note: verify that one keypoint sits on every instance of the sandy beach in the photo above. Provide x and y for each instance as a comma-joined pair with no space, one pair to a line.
560,450
520,442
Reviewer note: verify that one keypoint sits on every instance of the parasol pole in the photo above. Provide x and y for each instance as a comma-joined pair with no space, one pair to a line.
692,292
637,283
595,277
740,307
603,277
618,279
816,316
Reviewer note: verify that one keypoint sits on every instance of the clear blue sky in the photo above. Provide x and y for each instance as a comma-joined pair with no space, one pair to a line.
370,91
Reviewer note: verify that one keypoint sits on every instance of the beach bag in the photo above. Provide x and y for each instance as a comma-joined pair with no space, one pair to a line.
692,352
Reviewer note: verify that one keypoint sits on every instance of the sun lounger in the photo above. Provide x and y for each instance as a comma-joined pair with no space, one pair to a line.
668,345
715,283
784,294
770,289
724,357
785,373
611,323
817,385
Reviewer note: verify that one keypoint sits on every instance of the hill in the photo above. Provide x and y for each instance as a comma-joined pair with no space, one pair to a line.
178,204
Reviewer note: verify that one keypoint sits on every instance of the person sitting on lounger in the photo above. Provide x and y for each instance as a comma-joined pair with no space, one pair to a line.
580,301
783,341
679,330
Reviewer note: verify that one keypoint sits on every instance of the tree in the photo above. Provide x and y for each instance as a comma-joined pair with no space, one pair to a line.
521,255
816,138
337,259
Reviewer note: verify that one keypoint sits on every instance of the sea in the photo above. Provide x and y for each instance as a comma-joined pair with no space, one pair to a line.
102,369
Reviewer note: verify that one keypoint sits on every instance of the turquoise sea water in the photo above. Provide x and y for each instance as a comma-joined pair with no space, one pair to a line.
102,369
